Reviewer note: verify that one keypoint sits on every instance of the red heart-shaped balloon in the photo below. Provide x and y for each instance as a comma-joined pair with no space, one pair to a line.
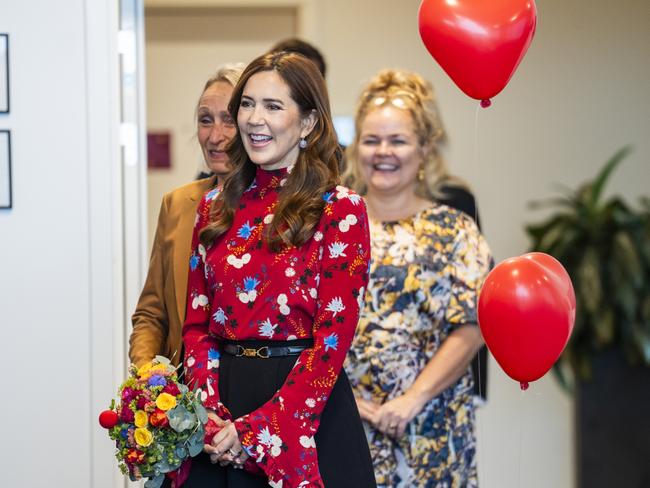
479,43
526,310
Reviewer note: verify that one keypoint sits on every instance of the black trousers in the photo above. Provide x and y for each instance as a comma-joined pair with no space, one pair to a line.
245,384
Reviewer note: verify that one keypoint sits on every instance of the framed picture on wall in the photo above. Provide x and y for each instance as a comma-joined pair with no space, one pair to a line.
159,150
5,169
4,73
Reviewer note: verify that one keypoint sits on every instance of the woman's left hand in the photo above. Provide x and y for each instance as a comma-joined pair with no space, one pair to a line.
226,448
394,415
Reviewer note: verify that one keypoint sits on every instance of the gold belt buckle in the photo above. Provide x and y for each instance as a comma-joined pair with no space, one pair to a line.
262,352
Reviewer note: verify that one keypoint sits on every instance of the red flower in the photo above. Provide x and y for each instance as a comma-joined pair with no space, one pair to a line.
158,418
134,456
128,394
126,414
172,389
141,402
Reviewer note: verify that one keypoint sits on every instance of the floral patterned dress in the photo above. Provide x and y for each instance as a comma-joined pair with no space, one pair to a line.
424,277
240,290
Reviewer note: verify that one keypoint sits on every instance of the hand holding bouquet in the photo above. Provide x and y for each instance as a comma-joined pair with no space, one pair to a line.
157,425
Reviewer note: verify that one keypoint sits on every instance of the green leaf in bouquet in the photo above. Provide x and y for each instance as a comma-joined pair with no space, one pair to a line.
181,419
183,388
181,451
195,443
175,463
162,466
155,482
201,412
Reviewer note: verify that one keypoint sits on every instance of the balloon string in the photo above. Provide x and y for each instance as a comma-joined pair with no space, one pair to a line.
519,453
475,165
475,162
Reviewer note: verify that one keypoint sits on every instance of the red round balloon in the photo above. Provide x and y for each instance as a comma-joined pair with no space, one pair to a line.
108,419
479,43
526,312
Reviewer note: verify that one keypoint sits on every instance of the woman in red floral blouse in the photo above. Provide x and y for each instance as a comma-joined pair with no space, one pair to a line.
277,276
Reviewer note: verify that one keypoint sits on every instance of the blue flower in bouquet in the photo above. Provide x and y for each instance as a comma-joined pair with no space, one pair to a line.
157,380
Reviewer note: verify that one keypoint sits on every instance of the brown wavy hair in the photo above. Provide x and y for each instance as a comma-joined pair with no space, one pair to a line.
300,202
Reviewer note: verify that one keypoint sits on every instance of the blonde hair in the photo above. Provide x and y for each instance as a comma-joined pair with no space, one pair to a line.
407,91
227,73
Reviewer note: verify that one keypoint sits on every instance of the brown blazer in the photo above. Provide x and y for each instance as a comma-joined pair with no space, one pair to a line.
160,313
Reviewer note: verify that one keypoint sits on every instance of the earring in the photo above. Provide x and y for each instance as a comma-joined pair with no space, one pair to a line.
421,173
302,143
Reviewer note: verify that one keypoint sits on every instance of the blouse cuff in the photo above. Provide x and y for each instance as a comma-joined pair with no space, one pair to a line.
259,461
211,428
264,451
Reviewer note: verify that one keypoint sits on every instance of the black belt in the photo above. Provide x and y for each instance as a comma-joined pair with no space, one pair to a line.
259,349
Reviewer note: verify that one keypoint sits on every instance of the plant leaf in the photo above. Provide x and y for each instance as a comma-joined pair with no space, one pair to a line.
201,412
604,244
588,281
551,202
195,443
643,339
181,419
601,179
604,327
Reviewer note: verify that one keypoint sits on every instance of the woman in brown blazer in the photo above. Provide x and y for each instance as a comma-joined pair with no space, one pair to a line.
159,315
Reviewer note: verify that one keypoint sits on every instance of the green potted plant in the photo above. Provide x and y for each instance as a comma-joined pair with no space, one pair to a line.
604,244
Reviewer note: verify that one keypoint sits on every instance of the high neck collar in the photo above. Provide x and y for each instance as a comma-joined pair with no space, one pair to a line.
270,178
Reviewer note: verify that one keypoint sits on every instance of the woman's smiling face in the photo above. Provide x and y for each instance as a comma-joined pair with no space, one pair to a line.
215,126
389,152
270,121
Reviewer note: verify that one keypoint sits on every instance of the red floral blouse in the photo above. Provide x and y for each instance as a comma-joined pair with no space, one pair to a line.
239,289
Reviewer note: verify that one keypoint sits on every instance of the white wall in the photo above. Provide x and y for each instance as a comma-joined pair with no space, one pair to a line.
60,290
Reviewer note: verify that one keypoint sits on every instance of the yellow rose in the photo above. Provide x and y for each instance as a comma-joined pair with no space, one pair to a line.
144,369
141,418
165,401
143,437
158,368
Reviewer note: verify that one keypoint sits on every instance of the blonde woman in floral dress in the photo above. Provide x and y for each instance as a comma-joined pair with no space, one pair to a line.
409,361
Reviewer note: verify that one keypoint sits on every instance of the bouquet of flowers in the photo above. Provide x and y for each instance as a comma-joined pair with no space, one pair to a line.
157,424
